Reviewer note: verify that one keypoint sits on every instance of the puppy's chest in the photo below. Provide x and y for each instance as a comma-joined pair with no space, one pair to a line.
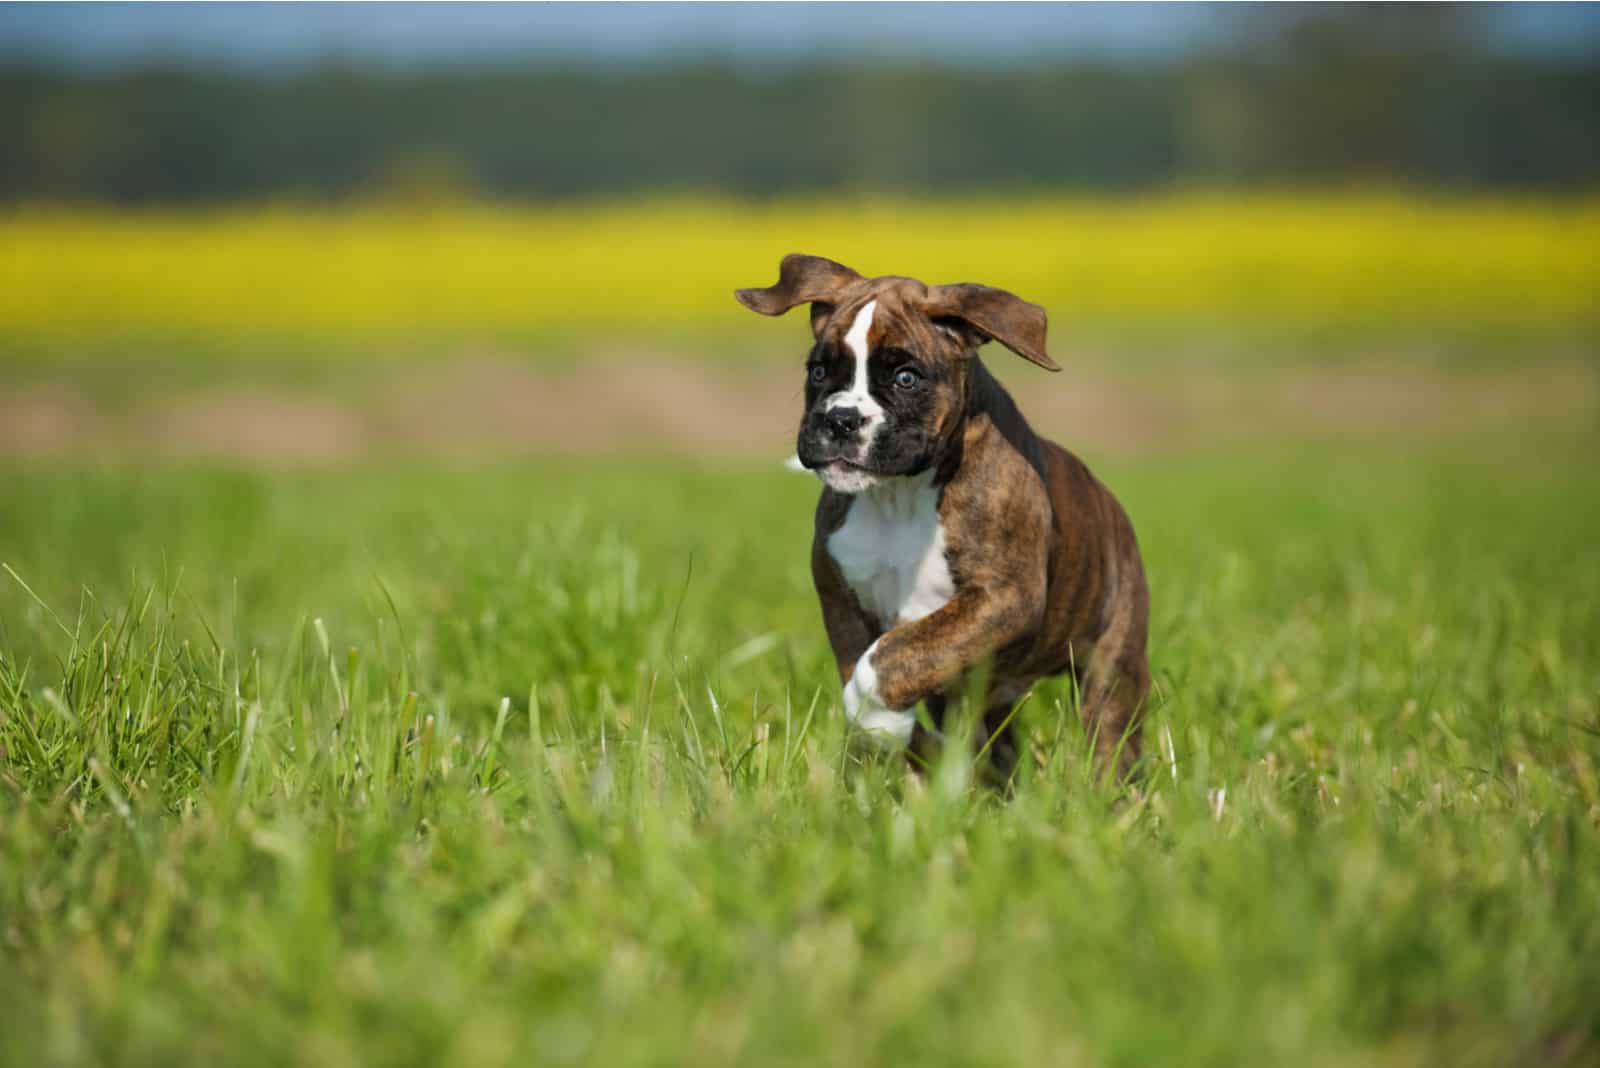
891,552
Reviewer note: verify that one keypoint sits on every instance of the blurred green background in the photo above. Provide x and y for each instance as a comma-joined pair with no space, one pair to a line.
236,233
407,650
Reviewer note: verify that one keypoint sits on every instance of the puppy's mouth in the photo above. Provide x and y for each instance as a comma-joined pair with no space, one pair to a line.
820,457
840,473
844,476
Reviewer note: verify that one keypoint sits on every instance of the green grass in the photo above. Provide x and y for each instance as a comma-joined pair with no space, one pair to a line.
618,821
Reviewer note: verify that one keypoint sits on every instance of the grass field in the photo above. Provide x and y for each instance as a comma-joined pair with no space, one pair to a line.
478,710
384,281
543,764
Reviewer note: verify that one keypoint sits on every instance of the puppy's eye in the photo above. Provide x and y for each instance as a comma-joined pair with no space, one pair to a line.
818,373
907,378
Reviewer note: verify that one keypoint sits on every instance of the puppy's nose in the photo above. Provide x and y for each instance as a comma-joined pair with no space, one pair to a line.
843,422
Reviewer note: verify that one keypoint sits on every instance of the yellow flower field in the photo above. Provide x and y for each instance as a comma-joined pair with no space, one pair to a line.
641,269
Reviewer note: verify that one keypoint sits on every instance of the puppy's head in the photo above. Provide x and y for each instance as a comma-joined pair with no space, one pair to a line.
888,379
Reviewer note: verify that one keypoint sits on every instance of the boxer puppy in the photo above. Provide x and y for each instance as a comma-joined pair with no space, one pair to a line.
949,535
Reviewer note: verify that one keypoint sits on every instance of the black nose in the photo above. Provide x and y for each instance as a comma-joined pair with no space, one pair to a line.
842,422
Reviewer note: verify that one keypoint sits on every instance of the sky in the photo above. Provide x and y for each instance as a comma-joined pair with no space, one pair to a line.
275,36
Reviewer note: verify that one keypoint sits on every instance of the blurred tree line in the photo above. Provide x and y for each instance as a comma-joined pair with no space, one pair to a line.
1407,100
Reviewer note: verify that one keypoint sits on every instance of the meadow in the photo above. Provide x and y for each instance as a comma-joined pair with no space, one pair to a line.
546,762
531,750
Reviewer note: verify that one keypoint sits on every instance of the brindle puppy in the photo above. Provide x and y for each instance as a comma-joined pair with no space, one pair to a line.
949,535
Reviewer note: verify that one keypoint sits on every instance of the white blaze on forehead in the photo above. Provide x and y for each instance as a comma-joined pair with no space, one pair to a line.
858,396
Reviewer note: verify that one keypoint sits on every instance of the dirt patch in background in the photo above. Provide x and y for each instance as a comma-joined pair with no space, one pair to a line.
494,408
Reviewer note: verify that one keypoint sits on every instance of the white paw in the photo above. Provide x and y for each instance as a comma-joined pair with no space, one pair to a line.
866,710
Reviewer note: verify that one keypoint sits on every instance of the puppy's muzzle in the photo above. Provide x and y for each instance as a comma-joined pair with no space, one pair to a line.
832,434
841,424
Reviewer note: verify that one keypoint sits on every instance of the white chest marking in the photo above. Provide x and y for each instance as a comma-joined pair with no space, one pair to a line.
891,550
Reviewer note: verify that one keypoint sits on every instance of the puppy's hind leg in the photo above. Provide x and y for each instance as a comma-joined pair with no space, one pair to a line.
995,739
1117,681
998,742
923,750
1112,705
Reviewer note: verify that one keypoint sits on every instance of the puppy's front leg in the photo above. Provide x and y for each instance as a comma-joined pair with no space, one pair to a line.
919,658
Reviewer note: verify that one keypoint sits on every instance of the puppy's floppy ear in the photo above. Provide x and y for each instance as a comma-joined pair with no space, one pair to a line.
994,313
801,280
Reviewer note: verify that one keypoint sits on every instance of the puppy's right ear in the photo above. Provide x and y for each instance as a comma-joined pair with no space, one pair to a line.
801,280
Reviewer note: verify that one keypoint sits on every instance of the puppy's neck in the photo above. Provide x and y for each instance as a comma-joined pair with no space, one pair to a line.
899,495
986,397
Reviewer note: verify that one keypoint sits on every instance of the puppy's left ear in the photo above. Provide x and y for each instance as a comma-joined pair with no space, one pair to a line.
994,313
